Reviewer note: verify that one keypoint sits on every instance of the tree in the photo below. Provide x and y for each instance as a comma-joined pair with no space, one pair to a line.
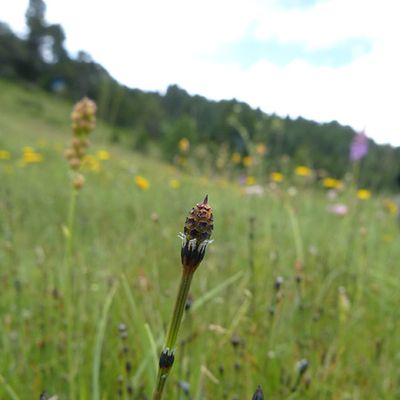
35,22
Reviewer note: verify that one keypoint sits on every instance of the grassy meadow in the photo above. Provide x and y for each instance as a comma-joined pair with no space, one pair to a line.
90,323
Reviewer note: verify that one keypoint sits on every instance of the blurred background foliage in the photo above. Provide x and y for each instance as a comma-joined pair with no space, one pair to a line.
155,123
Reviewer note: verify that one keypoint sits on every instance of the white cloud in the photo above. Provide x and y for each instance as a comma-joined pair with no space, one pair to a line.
151,44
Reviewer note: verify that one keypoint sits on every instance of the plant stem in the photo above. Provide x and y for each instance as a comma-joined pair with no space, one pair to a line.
184,287
70,224
186,279
68,289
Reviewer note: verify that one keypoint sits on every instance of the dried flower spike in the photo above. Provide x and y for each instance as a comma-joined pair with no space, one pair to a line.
84,117
83,122
78,181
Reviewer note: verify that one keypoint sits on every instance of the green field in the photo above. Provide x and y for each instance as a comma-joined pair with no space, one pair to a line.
61,313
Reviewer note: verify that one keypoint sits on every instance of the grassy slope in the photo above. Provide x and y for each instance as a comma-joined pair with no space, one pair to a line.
119,247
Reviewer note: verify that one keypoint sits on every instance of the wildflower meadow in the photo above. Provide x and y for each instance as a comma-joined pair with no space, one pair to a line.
125,277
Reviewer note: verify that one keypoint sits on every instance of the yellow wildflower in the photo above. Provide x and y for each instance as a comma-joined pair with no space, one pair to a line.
391,207
250,180
181,160
184,145
236,157
302,170
174,184
103,155
339,184
330,183
276,176
91,163
5,155
30,156
203,181
387,237
141,182
220,163
261,149
247,161
363,194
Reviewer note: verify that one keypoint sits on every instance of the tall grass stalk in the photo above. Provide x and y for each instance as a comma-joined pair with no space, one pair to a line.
10,391
68,290
173,330
99,344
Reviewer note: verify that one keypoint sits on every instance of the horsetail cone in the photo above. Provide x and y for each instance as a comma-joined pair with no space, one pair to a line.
196,234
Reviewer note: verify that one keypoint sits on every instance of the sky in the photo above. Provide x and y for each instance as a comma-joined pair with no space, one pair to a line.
323,60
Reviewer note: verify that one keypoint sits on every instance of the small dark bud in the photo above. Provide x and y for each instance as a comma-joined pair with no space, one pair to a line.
129,389
221,370
166,359
237,366
307,382
189,302
123,335
184,386
271,311
278,283
128,366
258,394
43,396
302,366
235,341
121,327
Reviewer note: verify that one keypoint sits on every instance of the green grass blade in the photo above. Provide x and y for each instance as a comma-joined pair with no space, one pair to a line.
215,291
153,347
99,344
8,388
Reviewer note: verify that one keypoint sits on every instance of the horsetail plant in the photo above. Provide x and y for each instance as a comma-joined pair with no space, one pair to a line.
195,239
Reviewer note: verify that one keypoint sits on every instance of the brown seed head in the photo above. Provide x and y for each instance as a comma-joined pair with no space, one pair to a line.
69,153
76,143
75,163
199,223
84,117
78,181
196,234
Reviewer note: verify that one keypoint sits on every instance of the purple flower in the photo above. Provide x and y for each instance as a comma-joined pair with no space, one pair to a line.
359,147
338,209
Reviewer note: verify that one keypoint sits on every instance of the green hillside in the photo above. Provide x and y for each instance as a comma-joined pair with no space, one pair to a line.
61,311
152,122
